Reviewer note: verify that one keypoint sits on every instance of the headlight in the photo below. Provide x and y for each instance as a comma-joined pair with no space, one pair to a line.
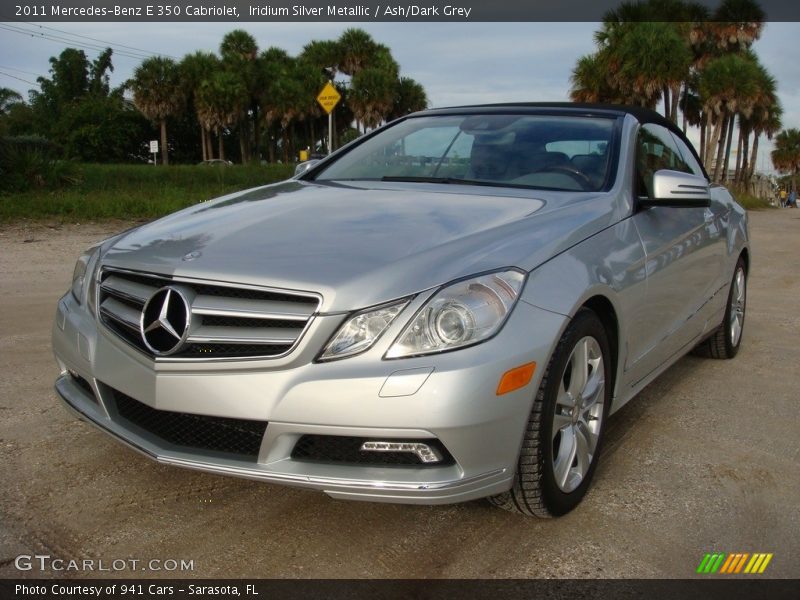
361,331
462,314
79,274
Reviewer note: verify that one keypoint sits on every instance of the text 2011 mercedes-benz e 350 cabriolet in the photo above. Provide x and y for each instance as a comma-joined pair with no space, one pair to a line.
448,308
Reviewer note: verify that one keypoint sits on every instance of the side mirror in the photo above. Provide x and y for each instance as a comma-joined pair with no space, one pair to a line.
305,166
675,188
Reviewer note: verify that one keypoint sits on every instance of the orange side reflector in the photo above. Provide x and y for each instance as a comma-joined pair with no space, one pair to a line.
516,378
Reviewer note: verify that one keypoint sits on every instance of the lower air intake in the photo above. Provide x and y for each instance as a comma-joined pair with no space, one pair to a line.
238,437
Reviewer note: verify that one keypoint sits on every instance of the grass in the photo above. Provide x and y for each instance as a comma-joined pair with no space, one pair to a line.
136,191
148,192
751,202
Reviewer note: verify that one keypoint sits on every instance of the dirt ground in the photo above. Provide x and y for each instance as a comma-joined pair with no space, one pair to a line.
706,459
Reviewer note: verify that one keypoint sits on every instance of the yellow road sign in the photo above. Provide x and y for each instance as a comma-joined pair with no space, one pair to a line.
328,98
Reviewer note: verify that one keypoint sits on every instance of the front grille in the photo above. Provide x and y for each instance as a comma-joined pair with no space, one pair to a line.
199,432
344,449
231,350
224,321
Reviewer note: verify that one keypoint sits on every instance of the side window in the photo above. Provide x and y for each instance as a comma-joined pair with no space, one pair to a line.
688,157
656,149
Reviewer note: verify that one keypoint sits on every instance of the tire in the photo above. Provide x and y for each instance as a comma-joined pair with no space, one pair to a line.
727,339
548,481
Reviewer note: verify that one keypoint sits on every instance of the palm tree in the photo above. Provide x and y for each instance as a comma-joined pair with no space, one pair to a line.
372,96
275,93
589,80
309,81
733,27
239,52
642,57
158,94
769,125
728,85
324,55
650,61
664,31
737,24
786,155
356,48
195,69
238,45
761,119
220,101
409,96
372,88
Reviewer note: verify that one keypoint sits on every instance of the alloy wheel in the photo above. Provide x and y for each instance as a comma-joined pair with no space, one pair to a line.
578,414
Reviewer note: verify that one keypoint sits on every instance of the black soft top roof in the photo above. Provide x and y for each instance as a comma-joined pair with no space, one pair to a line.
643,115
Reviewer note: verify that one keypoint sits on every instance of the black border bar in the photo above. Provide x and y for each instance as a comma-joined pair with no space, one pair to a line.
712,588
301,11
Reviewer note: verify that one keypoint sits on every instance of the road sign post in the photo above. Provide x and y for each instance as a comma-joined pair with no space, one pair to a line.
154,150
328,98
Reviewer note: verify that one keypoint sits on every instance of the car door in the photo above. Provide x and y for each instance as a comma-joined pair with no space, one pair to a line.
683,248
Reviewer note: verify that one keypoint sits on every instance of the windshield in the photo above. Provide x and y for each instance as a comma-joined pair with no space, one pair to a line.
539,151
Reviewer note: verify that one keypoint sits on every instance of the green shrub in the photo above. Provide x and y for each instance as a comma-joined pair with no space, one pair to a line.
136,191
29,163
751,202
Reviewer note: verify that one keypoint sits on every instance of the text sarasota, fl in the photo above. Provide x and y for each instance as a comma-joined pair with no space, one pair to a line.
376,11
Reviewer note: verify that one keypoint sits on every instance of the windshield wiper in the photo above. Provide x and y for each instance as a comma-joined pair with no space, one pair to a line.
415,179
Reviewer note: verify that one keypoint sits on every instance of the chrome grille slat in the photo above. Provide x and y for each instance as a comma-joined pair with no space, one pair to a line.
252,309
121,313
242,335
128,289
226,321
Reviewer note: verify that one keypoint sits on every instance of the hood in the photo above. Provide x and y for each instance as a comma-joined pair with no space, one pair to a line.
356,246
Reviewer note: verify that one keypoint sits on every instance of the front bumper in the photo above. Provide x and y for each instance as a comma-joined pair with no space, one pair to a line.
448,397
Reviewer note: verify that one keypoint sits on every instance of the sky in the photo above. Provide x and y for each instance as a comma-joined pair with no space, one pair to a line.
457,63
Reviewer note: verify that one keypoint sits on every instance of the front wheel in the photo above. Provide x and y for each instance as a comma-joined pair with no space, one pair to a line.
563,436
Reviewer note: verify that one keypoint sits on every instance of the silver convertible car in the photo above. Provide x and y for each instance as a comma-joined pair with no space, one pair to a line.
448,308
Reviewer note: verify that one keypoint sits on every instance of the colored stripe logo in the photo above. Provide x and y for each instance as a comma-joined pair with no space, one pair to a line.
731,564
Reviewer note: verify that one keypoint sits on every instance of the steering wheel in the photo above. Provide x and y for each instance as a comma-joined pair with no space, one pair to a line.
579,176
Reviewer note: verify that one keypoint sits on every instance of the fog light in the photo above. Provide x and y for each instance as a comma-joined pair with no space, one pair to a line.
424,452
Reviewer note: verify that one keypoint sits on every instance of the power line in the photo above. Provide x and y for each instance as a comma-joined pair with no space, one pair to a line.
55,38
78,35
73,43
42,36
18,78
20,70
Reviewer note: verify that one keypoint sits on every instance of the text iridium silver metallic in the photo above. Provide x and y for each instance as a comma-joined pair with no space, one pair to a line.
380,327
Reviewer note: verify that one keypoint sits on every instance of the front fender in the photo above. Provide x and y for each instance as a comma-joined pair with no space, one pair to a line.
610,265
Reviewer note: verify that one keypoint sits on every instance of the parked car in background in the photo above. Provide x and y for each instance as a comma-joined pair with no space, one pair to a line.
449,308
215,162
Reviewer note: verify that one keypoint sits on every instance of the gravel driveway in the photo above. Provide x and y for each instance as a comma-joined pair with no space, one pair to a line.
707,458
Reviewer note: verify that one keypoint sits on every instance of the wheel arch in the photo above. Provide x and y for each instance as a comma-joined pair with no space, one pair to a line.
605,311
745,255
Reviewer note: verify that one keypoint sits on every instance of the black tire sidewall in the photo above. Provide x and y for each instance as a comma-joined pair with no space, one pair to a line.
730,349
585,323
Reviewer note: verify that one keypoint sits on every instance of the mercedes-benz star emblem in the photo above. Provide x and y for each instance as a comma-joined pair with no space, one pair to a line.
165,320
